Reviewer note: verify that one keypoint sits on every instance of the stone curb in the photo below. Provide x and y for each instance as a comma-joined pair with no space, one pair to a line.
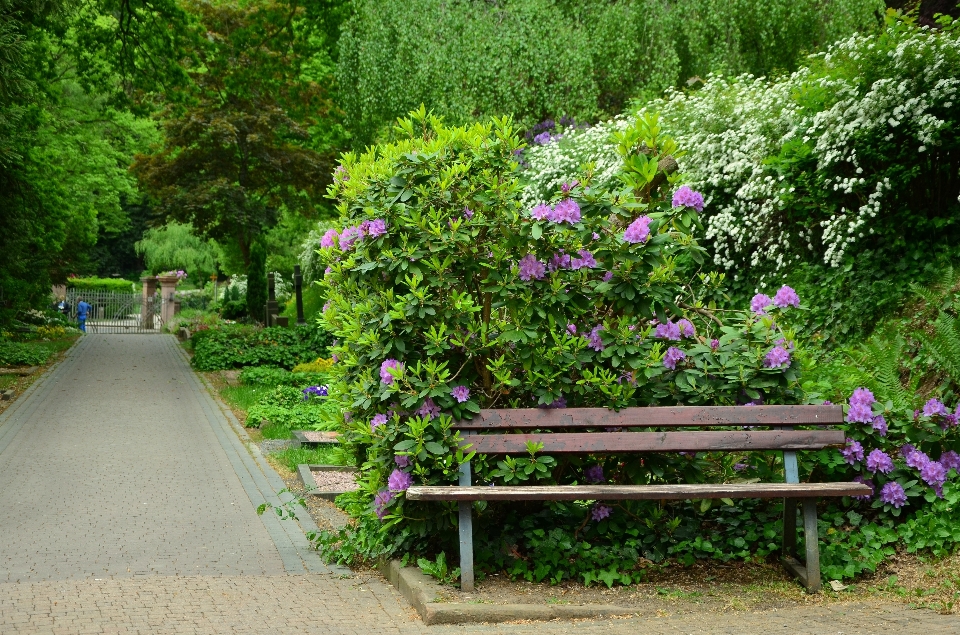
421,592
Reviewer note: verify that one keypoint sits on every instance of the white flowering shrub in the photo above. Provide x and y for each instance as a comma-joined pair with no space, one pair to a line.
848,152
855,150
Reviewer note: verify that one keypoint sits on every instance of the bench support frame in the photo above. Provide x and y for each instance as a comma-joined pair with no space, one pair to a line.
808,571
466,532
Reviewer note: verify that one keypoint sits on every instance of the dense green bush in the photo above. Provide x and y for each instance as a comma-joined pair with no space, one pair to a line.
22,354
236,347
448,296
273,376
839,179
102,284
294,409
546,58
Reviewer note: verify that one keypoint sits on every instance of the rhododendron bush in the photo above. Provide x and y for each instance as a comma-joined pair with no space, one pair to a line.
449,295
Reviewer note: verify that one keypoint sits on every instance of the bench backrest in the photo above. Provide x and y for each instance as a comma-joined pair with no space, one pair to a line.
508,431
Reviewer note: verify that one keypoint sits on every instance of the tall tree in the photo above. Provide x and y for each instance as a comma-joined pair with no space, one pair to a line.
237,147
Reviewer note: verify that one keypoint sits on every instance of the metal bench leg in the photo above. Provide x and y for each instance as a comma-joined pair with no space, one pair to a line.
789,528
466,534
812,539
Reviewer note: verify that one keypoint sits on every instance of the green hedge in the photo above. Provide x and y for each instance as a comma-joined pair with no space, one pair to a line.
102,284
238,347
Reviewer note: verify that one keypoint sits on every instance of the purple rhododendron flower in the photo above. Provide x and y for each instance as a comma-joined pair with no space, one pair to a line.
869,483
595,342
348,237
559,261
380,502
879,461
916,459
329,239
572,329
586,260
686,328
402,460
399,481
950,460
600,512
377,227
892,493
786,297
460,393
934,408
714,344
862,396
596,236
778,357
385,367
853,451
593,474
566,187
638,231
859,413
467,213
607,277
880,425
541,212
760,302
378,420
673,356
933,473
531,268
340,174
739,467
686,197
429,409
668,331
566,211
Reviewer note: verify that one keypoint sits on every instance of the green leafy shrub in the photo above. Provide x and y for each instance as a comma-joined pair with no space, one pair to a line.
293,409
273,376
236,347
22,354
448,297
102,284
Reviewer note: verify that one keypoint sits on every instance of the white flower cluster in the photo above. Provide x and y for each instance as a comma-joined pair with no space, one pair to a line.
744,136
551,165
904,86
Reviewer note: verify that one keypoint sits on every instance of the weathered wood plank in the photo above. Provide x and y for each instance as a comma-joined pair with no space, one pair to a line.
636,492
594,442
658,417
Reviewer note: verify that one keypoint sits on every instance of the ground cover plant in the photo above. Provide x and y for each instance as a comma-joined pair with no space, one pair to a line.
447,295
234,346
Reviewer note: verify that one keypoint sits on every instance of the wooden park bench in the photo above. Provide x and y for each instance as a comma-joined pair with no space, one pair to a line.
735,429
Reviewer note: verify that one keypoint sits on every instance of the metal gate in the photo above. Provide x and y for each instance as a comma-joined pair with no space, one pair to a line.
114,312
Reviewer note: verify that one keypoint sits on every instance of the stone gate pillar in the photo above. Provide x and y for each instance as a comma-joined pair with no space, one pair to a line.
168,287
147,310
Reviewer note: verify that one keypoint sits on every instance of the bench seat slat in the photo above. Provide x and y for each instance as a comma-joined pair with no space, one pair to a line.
636,492
654,417
595,442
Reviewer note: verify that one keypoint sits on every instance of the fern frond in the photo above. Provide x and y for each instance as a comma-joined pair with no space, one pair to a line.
879,358
944,346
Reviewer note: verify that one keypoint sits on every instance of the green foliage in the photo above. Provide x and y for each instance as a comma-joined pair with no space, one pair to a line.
290,458
175,246
540,58
237,137
438,569
442,293
102,284
257,282
22,354
288,407
273,376
236,347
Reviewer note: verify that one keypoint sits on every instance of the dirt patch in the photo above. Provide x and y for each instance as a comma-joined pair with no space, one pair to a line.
332,480
721,587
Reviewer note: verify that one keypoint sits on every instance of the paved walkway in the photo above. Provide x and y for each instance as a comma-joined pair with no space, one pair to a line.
128,507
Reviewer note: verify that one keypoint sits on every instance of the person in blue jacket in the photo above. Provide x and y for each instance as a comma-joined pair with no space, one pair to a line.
82,309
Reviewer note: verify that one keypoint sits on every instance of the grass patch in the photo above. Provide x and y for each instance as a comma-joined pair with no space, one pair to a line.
275,431
6,381
242,397
292,457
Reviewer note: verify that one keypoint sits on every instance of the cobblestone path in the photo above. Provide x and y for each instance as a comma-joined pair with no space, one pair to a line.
128,506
